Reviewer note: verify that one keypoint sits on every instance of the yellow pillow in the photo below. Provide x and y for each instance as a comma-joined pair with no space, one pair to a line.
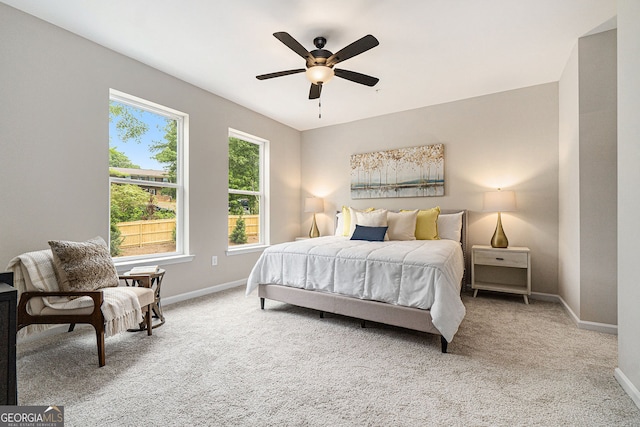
346,220
427,224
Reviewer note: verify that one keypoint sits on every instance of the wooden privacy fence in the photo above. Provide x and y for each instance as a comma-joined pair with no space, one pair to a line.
140,233
251,224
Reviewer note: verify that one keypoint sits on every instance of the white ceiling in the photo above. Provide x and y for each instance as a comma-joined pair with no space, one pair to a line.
430,52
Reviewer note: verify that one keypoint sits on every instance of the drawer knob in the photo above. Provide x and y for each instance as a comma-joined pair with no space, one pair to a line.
500,259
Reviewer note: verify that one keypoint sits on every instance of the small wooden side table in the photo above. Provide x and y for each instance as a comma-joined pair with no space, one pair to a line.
153,281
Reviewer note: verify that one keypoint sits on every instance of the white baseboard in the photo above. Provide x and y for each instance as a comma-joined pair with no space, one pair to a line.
545,297
581,324
598,327
202,292
627,386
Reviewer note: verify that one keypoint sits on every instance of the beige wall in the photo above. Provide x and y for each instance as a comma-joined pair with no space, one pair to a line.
569,185
598,178
628,372
587,184
507,140
54,137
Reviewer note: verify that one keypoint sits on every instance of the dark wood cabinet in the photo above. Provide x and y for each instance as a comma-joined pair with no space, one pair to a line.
8,302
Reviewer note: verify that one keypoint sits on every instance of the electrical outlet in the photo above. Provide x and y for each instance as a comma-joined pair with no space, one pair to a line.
214,260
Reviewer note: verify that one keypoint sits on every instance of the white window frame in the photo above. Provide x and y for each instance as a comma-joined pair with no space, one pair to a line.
181,185
262,193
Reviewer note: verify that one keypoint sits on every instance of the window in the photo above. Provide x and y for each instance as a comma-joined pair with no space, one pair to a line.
146,185
248,195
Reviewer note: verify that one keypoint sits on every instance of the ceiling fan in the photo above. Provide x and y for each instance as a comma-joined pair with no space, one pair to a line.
320,62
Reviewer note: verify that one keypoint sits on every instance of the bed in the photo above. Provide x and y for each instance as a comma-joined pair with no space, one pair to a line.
413,284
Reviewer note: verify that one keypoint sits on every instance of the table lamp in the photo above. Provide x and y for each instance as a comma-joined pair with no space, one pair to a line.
315,205
499,201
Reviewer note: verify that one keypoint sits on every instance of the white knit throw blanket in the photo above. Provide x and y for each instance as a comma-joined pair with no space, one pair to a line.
120,307
121,310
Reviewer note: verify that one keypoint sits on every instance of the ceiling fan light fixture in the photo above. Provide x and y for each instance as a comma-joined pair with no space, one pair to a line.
319,74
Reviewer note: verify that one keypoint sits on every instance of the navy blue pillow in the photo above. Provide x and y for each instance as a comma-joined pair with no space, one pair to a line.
372,234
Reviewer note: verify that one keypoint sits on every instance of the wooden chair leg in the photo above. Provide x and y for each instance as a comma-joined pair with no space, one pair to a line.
71,327
100,339
148,317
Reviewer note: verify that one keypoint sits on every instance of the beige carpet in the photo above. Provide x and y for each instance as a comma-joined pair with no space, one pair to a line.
221,361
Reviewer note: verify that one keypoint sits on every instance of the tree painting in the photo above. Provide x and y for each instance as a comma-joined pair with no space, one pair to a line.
401,172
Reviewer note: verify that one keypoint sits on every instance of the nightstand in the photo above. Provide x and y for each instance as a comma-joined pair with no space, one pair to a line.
501,270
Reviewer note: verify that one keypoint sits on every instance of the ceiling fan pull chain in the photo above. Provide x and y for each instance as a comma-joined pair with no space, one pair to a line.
319,108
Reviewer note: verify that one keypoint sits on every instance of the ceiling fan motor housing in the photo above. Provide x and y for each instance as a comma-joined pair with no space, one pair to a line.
320,55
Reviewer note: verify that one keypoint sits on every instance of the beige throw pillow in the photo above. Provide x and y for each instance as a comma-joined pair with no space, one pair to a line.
374,218
349,219
371,218
402,225
83,266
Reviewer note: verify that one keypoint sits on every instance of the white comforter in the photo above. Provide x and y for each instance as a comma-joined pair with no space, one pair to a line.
423,274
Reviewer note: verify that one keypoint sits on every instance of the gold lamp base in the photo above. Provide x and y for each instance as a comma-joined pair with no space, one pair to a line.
314,232
499,239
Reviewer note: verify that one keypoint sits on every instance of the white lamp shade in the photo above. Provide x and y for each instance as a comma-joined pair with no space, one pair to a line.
499,201
319,74
313,204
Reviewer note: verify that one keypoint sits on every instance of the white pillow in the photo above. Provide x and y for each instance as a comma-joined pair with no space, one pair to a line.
402,225
450,226
374,218
339,225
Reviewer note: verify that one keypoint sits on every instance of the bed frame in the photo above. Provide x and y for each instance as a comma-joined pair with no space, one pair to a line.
374,311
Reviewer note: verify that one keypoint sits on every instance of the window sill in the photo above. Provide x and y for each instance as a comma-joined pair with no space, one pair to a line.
160,261
246,250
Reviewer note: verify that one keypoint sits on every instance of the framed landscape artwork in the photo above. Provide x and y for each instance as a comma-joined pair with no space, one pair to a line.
403,172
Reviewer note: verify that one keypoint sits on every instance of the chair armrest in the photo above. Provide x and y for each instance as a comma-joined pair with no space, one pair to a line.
91,294
97,297
95,318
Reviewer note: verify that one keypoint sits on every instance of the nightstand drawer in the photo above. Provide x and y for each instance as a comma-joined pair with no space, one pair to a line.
502,259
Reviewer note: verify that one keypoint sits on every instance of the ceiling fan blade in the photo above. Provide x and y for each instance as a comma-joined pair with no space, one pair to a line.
279,74
363,79
314,92
355,48
293,44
